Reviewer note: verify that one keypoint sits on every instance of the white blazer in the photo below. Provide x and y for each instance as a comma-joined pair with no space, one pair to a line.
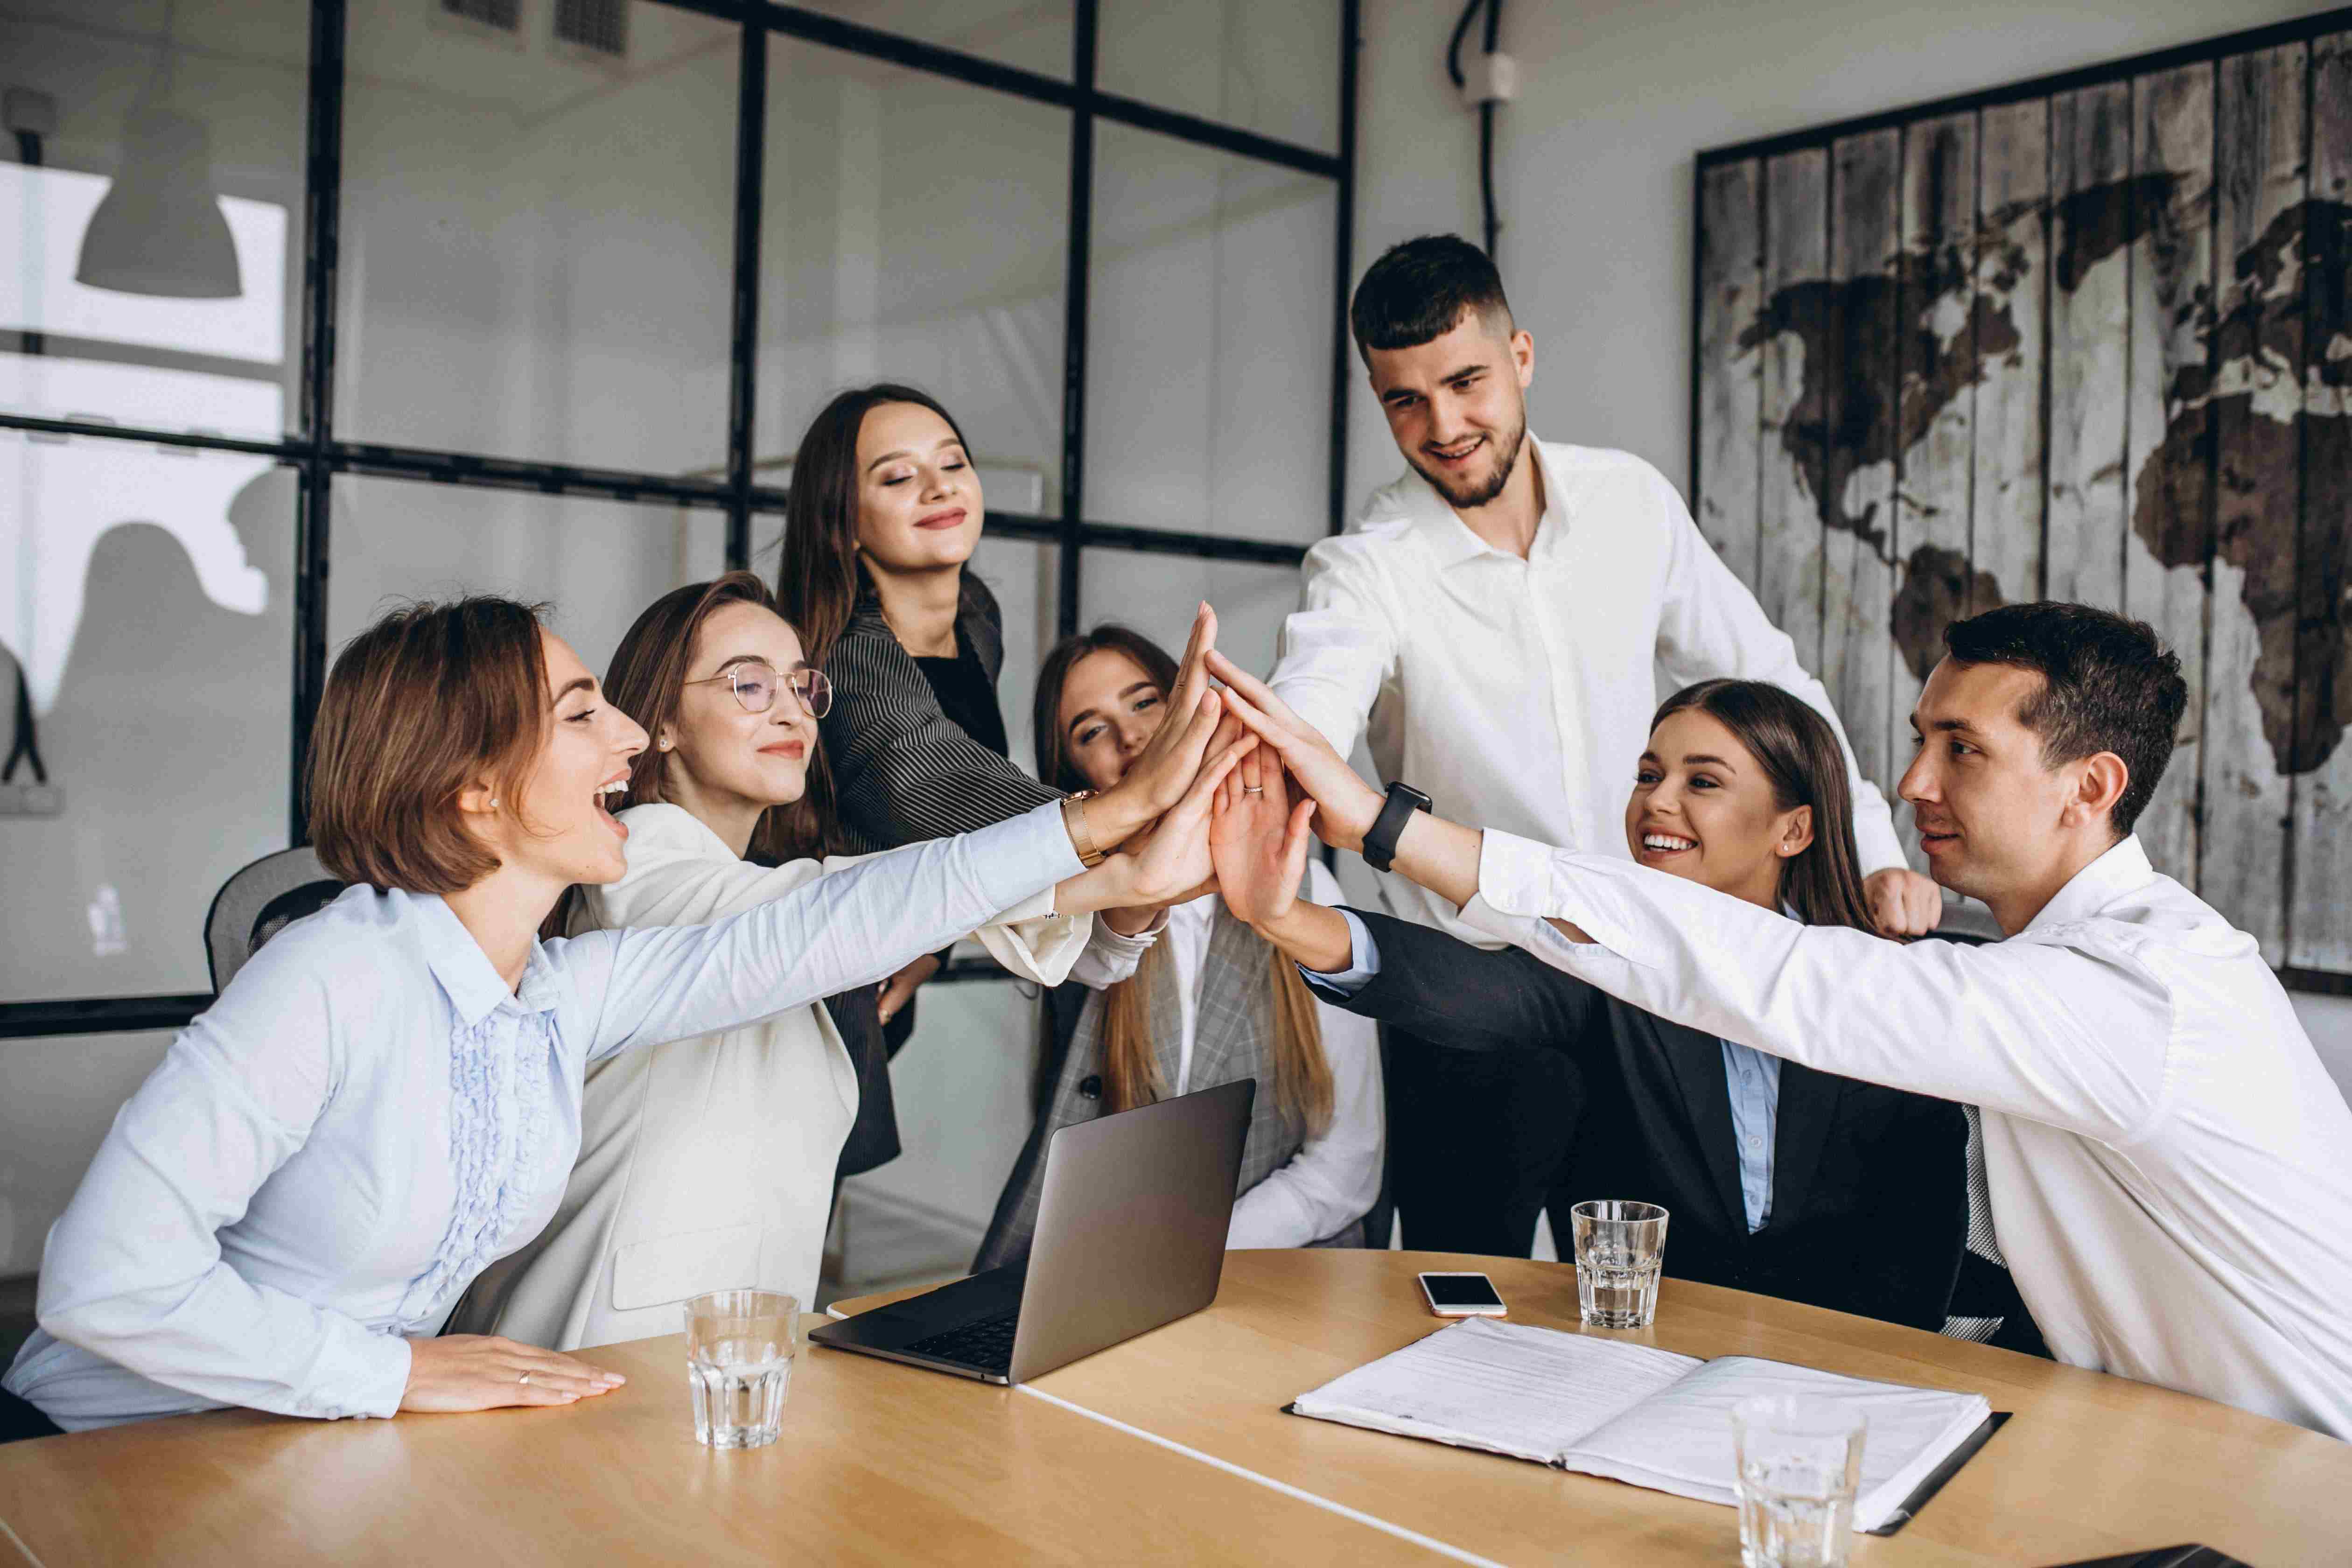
708,1163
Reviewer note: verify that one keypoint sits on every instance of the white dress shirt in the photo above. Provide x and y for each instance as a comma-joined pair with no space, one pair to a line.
368,1118
1517,694
2170,1167
708,1163
1336,1174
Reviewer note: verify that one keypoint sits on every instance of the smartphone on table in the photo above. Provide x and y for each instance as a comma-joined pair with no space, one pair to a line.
1462,1296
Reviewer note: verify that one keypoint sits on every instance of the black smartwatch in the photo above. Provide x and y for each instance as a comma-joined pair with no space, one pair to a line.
1381,839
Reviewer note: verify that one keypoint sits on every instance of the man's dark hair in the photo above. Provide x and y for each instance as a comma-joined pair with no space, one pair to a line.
1418,290
2107,685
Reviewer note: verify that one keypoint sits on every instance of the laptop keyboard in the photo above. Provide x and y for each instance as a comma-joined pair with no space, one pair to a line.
987,1345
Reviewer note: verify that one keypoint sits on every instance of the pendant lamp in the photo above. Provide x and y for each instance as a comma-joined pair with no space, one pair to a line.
159,228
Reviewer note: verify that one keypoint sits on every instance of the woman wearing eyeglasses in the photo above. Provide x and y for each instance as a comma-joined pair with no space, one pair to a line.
709,1163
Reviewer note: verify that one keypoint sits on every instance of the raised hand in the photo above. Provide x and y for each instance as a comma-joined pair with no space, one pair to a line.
1157,779
1173,861
485,1372
1258,842
1346,806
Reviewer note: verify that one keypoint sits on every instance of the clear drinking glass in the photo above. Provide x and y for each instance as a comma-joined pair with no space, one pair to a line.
1619,1246
1800,1460
740,1346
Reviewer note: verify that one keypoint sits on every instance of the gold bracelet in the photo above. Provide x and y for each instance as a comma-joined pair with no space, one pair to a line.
1074,818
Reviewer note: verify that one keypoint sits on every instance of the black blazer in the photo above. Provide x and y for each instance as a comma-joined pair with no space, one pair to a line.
1869,1185
902,770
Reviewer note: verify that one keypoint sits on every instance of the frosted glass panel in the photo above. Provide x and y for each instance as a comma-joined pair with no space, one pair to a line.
1271,68
109,312
1156,594
916,231
146,600
1209,342
555,285
598,563
1033,35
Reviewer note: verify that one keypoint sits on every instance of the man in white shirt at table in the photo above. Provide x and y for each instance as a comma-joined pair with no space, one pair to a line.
2170,1167
1491,624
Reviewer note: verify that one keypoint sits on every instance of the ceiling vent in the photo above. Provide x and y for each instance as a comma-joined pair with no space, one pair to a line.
596,29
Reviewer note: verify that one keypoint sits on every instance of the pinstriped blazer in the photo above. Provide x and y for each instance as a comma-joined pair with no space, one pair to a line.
902,769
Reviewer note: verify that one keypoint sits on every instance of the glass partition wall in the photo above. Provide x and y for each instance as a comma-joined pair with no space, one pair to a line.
308,307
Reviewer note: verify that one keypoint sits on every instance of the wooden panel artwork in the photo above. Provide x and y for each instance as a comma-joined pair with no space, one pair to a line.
2091,343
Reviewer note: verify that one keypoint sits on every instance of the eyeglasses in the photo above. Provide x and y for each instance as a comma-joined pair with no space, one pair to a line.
755,685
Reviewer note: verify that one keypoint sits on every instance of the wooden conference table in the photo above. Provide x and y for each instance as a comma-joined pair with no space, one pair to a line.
1172,1447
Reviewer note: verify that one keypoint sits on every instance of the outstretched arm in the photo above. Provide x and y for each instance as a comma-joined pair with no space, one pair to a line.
1441,855
1427,981
841,930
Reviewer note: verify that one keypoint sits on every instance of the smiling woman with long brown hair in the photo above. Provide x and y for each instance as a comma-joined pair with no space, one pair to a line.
1780,1179
1211,1002
885,511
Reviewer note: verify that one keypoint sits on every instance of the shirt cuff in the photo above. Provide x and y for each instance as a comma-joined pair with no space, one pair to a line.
1139,943
1014,859
1522,883
1363,962
373,1382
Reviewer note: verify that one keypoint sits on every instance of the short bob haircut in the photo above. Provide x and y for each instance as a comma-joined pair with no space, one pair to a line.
431,700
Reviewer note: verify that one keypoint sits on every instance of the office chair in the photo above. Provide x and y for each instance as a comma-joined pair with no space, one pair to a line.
258,902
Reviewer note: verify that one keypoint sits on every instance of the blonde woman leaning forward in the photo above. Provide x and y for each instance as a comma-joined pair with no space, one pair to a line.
709,1162
1212,1002
386,1099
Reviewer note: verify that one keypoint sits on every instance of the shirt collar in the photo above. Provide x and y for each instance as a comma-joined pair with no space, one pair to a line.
1450,541
2121,869
464,970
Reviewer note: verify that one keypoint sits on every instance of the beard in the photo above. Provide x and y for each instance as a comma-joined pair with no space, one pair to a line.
1463,496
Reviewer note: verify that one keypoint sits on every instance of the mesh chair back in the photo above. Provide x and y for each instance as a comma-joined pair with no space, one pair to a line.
258,902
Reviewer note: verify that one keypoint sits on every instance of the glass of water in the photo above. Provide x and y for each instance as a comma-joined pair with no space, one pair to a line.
1620,1246
1800,1460
740,1346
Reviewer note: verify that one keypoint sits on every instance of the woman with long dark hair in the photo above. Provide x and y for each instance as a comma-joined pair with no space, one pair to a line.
386,1098
885,511
711,1161
1209,1003
1780,1179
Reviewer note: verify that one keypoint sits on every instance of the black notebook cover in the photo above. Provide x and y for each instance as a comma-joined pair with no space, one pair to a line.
1944,1472
2164,1557
1935,1477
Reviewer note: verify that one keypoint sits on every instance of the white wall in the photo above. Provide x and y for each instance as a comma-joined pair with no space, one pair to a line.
1593,167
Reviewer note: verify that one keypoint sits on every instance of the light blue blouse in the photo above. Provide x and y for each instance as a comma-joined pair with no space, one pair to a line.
368,1118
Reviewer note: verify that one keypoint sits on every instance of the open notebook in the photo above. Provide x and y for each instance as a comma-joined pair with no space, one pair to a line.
1630,1411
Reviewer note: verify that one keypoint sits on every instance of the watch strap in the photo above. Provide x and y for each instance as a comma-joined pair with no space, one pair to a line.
1074,818
1380,839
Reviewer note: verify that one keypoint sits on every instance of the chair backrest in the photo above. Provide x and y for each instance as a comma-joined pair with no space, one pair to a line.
258,902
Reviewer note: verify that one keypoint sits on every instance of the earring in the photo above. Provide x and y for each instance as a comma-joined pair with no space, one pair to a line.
493,803
666,744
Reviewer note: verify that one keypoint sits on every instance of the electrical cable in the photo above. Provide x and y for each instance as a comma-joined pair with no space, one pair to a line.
1494,9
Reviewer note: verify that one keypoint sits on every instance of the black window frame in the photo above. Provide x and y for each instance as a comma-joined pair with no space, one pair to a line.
317,454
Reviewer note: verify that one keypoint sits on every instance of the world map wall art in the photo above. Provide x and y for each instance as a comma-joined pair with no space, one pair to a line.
2087,338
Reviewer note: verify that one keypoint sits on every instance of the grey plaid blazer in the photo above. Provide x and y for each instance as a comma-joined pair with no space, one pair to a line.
1232,1039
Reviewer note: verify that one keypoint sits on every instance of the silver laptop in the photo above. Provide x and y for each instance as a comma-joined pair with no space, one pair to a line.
1131,1225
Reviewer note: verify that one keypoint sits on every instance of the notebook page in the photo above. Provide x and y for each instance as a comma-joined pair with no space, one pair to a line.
1506,1388
1680,1441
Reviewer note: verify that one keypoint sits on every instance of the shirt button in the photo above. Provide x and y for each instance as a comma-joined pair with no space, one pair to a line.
1756,1145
